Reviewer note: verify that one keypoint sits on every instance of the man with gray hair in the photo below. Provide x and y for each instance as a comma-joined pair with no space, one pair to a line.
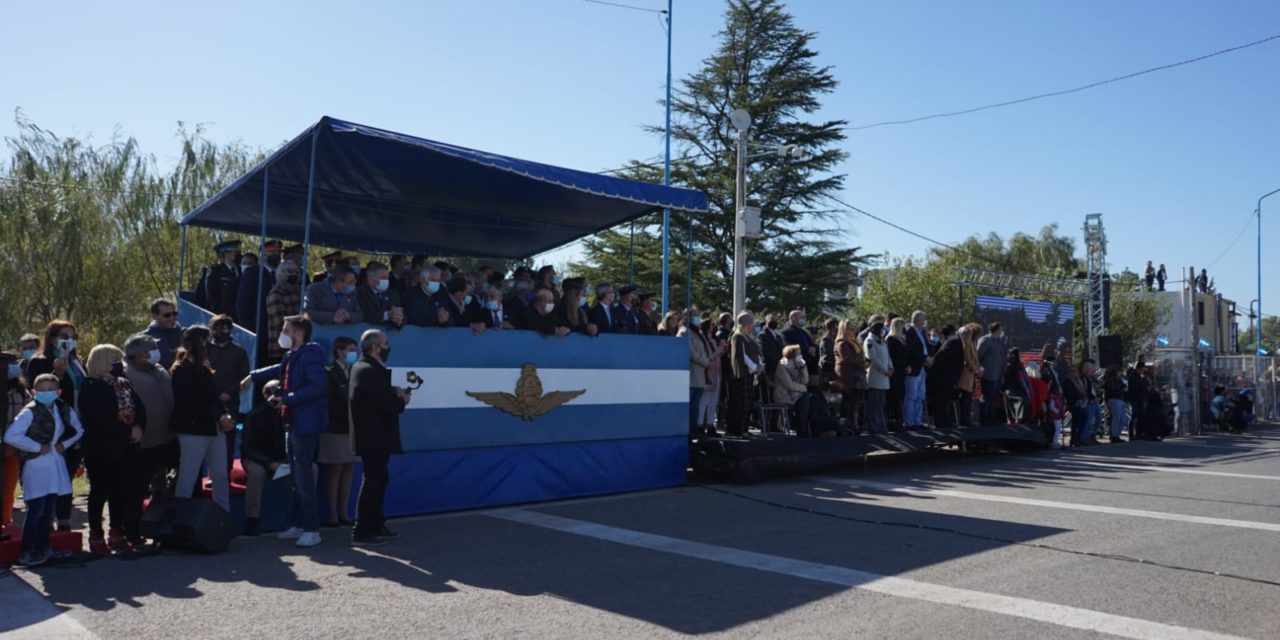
918,358
421,307
601,314
375,407
158,450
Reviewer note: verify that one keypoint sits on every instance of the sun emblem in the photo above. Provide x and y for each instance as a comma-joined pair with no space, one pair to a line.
528,401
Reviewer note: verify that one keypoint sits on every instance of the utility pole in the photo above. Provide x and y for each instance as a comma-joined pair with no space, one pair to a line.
742,121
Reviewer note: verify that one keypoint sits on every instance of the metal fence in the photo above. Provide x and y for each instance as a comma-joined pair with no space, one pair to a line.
1188,377
1237,372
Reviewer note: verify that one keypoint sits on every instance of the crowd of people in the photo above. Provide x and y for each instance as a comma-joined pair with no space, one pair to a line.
158,415
846,377
408,290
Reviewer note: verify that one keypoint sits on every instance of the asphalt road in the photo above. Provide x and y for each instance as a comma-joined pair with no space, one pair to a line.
1169,540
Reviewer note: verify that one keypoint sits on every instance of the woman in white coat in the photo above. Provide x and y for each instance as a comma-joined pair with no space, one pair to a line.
879,372
791,387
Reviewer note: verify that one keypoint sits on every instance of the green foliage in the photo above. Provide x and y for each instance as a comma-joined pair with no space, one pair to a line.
766,65
89,233
1270,336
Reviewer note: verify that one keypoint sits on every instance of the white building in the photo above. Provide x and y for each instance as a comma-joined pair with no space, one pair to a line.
1196,319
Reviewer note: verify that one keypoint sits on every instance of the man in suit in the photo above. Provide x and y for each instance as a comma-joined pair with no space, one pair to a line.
946,369
378,299
220,283
421,307
375,408
540,316
771,343
455,300
249,297
796,334
917,360
333,300
490,314
624,312
601,313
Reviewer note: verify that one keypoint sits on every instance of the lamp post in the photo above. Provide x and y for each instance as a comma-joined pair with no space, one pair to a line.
1257,361
666,181
741,120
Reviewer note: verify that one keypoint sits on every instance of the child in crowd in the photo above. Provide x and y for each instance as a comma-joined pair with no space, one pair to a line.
41,432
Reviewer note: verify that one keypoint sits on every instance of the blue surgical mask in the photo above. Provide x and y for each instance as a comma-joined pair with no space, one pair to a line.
348,290
46,398
28,354
582,301
696,321
466,301
432,286
383,284
351,357
154,356
15,370
493,305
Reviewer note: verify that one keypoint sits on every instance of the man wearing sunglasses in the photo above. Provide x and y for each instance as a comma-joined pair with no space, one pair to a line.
166,330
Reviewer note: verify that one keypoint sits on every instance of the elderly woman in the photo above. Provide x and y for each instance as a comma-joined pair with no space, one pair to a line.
851,372
791,386
114,419
969,375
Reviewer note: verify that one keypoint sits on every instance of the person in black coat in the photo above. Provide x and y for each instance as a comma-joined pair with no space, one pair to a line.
199,418
947,367
771,343
601,313
540,316
490,313
624,312
375,408
113,418
220,283
262,452
379,301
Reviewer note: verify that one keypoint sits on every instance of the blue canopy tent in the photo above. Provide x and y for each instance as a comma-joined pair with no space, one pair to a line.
359,188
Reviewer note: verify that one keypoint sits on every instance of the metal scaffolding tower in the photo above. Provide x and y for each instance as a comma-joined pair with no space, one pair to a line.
1036,286
1095,242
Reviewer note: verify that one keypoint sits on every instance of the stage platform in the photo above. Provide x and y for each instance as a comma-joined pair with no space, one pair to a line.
757,458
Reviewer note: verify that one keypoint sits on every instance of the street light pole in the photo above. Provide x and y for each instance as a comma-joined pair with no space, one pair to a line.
666,180
740,203
1257,360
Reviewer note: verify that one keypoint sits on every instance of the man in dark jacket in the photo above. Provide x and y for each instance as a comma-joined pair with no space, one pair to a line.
230,364
624,312
305,414
220,283
947,367
797,334
771,343
917,351
375,425
379,300
166,330
249,297
601,313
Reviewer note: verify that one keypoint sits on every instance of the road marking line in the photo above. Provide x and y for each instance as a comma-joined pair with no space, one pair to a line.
1164,469
1051,504
1051,613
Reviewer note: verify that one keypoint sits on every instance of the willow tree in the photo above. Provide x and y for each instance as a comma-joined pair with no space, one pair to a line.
767,65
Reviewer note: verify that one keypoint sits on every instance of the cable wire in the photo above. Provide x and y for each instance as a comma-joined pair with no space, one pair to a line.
914,233
1247,223
1054,94
987,538
619,5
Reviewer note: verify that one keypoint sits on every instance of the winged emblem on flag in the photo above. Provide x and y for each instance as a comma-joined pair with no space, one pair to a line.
528,402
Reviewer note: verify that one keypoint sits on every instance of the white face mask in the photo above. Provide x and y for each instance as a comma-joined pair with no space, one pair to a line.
285,341
154,356
549,307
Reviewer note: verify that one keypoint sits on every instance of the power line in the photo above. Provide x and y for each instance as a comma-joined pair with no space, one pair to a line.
1064,92
619,5
1222,255
914,233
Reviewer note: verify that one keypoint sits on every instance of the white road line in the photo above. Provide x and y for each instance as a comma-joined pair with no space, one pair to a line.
1051,504
1166,469
29,616
1051,613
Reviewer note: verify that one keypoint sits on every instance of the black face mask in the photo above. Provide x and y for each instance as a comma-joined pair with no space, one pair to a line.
273,261
291,279
773,324
117,369
386,353
221,338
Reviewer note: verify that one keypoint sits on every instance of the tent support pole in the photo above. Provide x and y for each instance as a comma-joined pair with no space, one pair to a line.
259,321
306,229
631,268
182,265
666,179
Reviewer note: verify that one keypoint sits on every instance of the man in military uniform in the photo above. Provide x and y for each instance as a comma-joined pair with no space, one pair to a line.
329,261
647,315
219,283
625,311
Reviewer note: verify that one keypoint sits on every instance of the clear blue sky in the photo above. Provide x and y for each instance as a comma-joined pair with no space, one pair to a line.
1173,160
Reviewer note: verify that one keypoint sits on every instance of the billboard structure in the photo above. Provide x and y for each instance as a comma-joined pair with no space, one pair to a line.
1030,325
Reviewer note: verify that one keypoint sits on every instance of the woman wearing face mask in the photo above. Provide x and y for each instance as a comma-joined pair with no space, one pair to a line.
199,418
58,356
16,397
879,372
709,405
572,310
335,444
851,372
791,387
114,418
285,299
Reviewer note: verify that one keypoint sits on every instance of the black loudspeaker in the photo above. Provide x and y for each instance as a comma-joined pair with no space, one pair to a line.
1110,352
188,523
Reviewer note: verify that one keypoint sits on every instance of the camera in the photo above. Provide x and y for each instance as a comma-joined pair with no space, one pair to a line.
414,379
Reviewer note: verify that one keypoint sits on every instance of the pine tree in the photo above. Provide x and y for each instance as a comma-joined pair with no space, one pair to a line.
766,65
